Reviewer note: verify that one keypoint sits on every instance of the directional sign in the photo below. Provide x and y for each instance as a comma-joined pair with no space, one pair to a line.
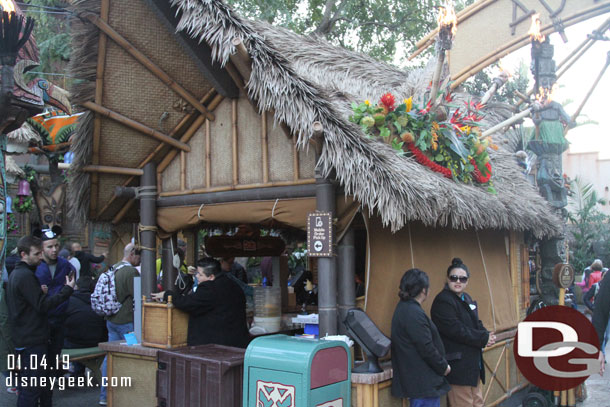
319,234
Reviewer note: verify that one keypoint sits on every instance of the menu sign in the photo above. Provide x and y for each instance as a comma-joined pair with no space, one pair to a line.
319,234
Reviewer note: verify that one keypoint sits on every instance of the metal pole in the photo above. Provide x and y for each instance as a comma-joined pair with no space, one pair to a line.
148,223
327,273
346,266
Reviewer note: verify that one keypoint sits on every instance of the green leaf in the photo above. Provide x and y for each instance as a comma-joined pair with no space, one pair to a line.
384,132
397,125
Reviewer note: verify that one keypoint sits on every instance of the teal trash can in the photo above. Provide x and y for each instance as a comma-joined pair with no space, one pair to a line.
287,371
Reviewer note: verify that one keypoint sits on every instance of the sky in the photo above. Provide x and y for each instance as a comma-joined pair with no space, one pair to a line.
576,82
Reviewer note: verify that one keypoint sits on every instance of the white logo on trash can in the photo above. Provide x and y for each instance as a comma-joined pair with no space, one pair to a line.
334,403
269,394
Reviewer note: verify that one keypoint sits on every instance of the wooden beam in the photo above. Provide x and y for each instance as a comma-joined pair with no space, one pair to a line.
182,170
234,141
241,59
208,156
150,65
97,121
121,214
142,128
295,159
239,187
264,147
157,150
113,170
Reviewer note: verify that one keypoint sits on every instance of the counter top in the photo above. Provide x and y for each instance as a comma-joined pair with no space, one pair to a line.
122,347
372,378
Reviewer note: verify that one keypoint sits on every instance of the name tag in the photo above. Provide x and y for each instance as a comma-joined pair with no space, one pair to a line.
473,306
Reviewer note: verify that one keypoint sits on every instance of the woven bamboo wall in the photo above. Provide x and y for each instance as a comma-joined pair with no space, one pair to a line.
285,164
133,91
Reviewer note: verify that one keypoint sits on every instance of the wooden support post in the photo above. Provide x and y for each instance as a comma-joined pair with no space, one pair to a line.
182,170
264,147
150,65
241,59
295,159
208,156
142,128
234,141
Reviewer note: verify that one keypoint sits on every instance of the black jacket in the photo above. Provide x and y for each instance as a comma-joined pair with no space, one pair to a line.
463,336
417,354
217,313
28,306
85,260
83,327
601,311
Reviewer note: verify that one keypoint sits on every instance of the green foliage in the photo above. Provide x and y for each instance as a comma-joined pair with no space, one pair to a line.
52,33
448,136
25,204
374,27
588,225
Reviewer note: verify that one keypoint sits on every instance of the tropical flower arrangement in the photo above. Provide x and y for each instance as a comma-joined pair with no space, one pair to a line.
446,140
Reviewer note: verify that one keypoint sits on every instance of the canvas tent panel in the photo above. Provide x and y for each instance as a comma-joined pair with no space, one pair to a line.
433,249
195,160
249,151
307,163
280,153
220,145
290,212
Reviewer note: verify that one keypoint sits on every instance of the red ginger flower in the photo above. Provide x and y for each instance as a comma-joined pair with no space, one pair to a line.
388,101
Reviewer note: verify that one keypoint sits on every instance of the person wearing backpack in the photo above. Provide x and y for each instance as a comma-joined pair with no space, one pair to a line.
121,322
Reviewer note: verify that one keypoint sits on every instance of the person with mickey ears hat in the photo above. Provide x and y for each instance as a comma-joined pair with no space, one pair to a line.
52,272
28,307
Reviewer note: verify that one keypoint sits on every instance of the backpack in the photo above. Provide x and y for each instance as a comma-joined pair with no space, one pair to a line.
104,301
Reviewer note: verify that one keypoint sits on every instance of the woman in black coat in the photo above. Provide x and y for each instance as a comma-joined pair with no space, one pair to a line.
456,316
418,360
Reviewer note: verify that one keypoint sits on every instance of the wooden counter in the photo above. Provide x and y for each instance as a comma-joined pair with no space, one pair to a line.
136,362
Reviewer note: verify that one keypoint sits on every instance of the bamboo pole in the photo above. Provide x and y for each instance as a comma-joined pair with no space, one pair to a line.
188,134
295,159
241,59
208,156
97,121
507,368
264,147
142,128
234,141
507,122
238,187
519,42
494,376
182,170
150,65
113,170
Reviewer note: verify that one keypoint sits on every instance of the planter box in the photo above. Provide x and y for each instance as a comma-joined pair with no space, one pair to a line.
204,376
163,325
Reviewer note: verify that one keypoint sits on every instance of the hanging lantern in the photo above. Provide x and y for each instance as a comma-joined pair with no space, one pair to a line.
24,188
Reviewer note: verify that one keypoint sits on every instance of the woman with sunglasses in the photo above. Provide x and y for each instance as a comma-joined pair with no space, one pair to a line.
418,358
456,315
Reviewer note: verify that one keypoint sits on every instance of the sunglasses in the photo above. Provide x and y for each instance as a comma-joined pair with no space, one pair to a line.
462,279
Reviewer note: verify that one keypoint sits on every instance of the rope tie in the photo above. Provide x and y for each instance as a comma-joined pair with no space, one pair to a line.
199,211
142,228
273,210
493,310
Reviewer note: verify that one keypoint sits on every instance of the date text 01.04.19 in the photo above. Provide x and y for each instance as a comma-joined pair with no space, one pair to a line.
36,362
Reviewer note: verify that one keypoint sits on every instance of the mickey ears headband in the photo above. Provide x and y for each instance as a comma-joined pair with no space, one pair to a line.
46,233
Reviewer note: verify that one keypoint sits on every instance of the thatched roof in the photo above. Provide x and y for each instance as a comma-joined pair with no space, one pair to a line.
305,80
12,168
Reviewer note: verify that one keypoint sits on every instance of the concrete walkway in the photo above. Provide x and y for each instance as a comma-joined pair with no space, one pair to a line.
598,388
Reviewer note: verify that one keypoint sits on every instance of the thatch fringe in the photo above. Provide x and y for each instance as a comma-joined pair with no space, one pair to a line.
12,168
399,189
83,66
24,134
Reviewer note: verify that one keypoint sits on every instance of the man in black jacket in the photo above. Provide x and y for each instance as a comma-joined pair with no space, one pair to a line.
28,306
217,309
601,314
86,259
